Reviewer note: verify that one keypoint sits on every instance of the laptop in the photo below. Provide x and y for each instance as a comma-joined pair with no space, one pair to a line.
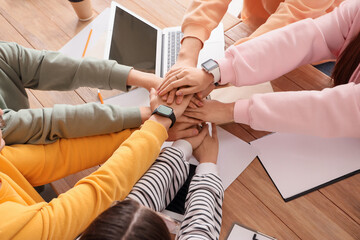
134,41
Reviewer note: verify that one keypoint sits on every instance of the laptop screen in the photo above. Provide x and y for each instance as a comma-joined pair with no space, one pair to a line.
133,42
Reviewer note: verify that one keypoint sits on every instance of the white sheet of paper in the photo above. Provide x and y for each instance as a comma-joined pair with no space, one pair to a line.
240,233
297,163
134,98
234,154
75,47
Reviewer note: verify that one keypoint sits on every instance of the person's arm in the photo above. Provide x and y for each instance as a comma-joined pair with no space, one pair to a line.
158,187
202,218
49,70
199,20
290,11
68,215
42,126
277,52
203,207
333,112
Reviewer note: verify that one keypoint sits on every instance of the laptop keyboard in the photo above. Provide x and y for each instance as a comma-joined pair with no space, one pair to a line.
173,47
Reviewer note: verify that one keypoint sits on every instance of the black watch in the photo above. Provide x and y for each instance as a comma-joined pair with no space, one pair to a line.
165,111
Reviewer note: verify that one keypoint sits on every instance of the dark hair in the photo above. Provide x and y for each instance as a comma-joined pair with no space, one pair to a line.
127,220
348,61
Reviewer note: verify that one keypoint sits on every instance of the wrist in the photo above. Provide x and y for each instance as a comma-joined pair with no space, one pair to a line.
229,111
189,51
208,77
166,122
145,113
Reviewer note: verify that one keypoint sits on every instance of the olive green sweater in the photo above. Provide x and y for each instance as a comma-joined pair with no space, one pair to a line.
22,68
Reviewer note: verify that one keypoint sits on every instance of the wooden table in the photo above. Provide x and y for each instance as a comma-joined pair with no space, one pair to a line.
332,212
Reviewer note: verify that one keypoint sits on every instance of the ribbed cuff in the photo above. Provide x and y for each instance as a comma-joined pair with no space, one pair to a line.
241,111
195,30
207,167
185,147
118,77
227,72
153,126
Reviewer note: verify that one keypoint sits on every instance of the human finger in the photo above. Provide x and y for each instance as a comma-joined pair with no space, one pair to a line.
197,102
186,91
192,105
179,99
195,115
168,80
185,119
152,94
171,96
173,85
214,131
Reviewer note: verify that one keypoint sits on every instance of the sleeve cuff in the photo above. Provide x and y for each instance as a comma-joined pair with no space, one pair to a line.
226,70
241,111
153,126
185,147
205,168
118,77
195,30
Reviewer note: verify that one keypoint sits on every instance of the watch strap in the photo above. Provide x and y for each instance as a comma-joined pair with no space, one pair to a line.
171,116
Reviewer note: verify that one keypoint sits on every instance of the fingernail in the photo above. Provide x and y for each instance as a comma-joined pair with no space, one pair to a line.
179,93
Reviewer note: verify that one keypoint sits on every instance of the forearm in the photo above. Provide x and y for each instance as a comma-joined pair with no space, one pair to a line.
320,113
143,79
189,51
42,126
158,187
277,52
204,205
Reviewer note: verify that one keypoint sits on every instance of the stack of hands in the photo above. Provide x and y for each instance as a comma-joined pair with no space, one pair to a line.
192,85
196,132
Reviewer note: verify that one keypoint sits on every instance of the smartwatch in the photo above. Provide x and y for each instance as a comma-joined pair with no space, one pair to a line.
165,111
212,67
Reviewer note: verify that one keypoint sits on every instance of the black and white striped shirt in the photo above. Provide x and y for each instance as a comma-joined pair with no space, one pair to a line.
160,183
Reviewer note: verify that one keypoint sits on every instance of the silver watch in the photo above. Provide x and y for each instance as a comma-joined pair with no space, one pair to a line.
212,67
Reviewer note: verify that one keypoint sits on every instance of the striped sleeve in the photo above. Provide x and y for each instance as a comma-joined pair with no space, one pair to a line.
161,182
203,205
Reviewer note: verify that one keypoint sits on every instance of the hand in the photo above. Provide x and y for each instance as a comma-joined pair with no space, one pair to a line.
209,148
198,139
178,109
212,111
189,79
143,79
182,130
206,92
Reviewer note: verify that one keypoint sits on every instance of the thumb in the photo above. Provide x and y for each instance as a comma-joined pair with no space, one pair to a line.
152,94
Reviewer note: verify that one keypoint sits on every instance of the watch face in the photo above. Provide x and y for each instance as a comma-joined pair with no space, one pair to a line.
210,65
165,110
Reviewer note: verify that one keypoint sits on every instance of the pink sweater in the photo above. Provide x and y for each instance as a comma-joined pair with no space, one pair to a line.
333,112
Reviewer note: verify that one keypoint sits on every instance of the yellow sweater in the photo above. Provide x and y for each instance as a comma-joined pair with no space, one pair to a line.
263,15
25,215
